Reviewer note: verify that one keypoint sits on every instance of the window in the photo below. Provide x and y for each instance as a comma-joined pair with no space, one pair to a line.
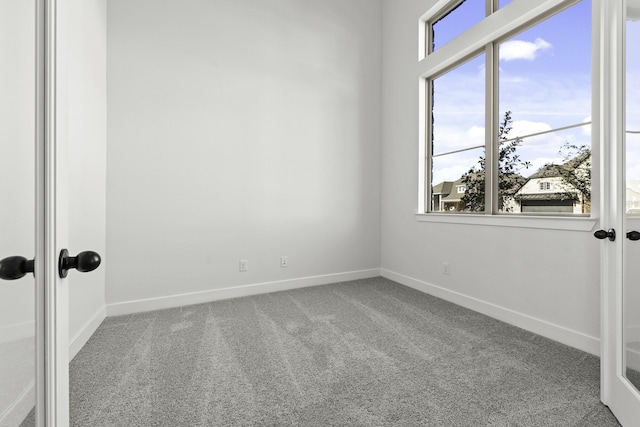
509,120
458,17
458,138
455,18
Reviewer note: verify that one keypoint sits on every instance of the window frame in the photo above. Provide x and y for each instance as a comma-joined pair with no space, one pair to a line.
497,27
545,185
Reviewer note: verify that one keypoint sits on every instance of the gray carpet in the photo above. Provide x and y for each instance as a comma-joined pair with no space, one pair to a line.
362,353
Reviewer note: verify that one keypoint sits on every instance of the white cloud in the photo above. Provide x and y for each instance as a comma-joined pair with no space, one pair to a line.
520,49
449,138
476,133
526,127
449,173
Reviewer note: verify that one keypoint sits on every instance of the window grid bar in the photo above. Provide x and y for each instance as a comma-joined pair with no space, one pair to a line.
475,147
547,131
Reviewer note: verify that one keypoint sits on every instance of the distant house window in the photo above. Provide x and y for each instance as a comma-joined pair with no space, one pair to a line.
461,188
545,186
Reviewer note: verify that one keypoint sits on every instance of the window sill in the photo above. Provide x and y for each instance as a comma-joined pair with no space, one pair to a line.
518,221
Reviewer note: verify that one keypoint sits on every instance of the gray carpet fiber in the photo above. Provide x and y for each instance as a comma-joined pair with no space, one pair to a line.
362,353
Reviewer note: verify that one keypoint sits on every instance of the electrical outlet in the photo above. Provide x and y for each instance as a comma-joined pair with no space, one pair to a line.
244,265
284,262
446,268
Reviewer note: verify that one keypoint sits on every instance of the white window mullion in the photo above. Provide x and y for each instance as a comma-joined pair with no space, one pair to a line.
491,139
426,141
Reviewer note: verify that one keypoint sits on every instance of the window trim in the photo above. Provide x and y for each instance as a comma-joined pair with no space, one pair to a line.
485,36
520,220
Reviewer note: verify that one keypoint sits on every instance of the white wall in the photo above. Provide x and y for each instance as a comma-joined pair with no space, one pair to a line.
85,126
240,129
544,280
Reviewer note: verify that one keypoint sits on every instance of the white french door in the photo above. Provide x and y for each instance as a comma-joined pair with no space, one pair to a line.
33,298
619,132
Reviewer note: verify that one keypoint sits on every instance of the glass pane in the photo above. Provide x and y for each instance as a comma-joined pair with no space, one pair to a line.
545,84
632,248
549,173
503,3
17,299
462,17
458,135
455,191
633,117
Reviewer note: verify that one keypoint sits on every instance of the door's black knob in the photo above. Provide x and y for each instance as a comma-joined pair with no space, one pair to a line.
601,234
633,235
84,262
15,267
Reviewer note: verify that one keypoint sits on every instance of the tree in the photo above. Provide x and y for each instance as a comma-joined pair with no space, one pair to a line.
575,174
509,180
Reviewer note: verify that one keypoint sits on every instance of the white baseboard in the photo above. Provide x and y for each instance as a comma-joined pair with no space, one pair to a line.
20,408
547,329
80,339
150,304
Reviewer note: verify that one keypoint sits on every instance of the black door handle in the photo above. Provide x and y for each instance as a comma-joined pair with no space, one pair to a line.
601,234
633,235
15,267
85,261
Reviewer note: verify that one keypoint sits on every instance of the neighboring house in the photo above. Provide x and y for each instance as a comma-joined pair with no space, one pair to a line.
633,197
447,195
550,190
439,192
547,191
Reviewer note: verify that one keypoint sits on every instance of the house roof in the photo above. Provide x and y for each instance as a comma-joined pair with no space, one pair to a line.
443,188
543,196
554,170
633,186
455,195
517,181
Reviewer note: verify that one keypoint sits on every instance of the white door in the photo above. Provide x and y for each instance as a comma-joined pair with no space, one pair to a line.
17,210
34,343
620,131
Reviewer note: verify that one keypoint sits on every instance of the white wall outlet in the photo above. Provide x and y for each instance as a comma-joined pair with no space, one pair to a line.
446,268
284,262
244,265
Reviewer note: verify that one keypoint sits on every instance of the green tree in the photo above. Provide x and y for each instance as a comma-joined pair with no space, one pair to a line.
509,180
575,174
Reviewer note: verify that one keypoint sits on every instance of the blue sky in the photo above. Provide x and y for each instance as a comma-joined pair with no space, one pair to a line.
545,81
633,100
469,13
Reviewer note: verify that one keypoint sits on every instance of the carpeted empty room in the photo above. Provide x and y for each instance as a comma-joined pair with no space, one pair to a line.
319,213
362,353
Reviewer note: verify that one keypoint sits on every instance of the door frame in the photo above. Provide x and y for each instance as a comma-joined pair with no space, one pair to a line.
52,347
